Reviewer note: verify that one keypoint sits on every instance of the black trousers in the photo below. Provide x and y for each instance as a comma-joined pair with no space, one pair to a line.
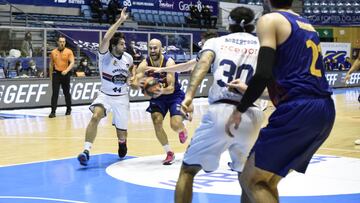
64,81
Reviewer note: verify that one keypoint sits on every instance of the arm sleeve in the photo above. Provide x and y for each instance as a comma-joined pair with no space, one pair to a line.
262,77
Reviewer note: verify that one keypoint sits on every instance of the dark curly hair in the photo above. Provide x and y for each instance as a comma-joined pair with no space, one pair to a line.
239,14
115,40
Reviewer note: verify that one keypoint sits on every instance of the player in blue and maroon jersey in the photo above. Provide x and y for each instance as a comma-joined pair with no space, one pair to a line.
168,97
290,64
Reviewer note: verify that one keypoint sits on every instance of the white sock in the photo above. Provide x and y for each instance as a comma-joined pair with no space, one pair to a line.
87,146
167,148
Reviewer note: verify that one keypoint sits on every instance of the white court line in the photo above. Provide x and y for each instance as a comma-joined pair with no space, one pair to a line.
78,138
47,160
145,139
40,198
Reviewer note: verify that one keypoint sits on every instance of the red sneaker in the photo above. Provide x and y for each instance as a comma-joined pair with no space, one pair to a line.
183,136
170,156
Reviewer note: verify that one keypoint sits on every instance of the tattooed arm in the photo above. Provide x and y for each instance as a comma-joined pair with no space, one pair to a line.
198,74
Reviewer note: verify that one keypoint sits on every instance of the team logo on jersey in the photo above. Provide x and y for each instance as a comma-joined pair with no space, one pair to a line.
119,79
115,63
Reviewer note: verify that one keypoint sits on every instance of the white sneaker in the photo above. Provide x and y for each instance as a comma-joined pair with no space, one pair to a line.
357,142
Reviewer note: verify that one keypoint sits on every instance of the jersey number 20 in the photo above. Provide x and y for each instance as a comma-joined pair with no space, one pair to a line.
315,49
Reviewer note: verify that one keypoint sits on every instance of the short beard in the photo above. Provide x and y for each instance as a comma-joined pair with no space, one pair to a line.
156,57
117,53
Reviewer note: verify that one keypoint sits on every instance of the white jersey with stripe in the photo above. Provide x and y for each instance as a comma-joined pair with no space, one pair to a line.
235,57
114,73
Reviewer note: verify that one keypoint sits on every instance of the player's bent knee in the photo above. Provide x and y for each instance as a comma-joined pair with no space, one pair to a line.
190,169
96,117
176,123
158,122
175,126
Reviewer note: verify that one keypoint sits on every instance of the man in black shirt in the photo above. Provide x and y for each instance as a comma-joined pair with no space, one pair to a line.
97,7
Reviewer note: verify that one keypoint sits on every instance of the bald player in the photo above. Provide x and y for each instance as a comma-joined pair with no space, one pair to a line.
168,97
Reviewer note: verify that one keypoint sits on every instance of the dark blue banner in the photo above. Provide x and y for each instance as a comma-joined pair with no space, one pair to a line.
172,5
334,19
54,3
163,5
87,41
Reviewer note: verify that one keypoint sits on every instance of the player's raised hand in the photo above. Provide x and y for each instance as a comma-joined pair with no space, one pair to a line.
234,119
123,15
187,108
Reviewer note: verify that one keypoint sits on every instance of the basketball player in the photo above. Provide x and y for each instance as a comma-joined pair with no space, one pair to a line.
354,67
290,65
233,58
114,66
167,98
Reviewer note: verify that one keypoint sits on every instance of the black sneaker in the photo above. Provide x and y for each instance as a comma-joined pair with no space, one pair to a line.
122,149
52,115
84,157
68,112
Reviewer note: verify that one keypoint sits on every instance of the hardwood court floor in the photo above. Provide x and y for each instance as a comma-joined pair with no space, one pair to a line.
34,137
38,160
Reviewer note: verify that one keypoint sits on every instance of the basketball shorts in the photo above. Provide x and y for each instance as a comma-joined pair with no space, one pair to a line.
210,139
295,131
118,105
166,103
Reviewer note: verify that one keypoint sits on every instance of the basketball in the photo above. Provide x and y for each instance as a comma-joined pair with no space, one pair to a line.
150,86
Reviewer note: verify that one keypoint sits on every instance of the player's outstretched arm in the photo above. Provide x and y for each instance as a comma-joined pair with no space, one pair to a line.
181,67
104,45
199,72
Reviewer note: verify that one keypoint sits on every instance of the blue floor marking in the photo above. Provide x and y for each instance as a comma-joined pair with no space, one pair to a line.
66,179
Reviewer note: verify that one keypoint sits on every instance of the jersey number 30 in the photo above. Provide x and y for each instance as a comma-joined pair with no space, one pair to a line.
232,72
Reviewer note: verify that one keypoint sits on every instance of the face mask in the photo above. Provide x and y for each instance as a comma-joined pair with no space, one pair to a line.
84,63
32,67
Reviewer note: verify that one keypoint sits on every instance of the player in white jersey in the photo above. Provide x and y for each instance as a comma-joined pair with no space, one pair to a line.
233,58
114,64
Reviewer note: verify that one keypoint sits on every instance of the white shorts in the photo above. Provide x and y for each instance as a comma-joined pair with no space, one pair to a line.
118,105
210,139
